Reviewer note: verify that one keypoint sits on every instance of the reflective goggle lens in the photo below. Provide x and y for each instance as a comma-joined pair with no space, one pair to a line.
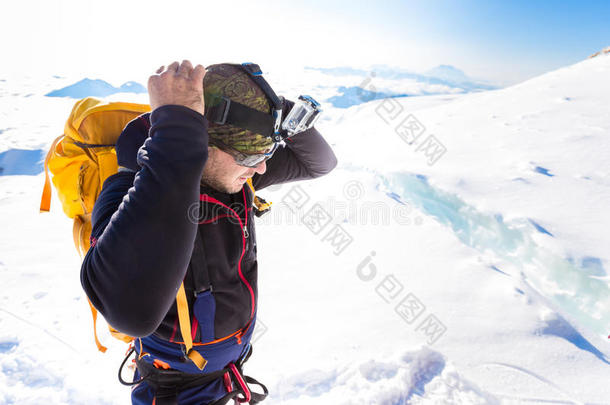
244,159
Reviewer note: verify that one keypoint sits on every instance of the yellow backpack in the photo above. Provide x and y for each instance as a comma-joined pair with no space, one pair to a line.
83,157
80,160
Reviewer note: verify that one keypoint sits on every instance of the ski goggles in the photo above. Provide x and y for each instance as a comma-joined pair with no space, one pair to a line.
250,160
302,116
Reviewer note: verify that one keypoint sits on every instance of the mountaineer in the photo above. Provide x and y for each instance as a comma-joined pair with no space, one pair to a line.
178,217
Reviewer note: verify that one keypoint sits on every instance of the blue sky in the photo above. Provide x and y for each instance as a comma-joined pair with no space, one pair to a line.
501,41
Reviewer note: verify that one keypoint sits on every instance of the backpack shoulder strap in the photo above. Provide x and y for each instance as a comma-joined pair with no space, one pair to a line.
184,320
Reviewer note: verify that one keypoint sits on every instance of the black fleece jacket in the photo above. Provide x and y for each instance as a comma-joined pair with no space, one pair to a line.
142,236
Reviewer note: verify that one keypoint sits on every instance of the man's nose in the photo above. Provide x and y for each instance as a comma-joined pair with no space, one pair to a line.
261,167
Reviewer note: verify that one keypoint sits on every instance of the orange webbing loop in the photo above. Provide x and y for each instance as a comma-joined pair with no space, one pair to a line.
184,320
142,352
161,364
100,347
45,199
261,205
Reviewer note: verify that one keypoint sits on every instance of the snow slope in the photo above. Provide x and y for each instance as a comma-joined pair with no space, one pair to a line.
408,275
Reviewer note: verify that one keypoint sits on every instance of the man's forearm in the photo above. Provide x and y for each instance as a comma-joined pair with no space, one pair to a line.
313,151
306,156
139,259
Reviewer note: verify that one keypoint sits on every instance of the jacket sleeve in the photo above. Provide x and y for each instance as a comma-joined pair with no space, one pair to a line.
142,236
306,156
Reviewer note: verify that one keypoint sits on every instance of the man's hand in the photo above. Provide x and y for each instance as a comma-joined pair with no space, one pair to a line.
178,84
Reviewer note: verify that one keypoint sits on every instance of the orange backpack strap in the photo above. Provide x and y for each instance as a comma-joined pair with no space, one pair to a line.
184,320
100,347
45,200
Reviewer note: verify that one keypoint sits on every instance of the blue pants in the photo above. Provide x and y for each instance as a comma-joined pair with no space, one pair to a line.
218,355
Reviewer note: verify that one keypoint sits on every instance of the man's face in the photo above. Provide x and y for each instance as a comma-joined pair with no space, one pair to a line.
223,174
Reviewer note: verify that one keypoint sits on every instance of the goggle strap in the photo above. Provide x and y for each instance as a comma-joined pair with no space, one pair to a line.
241,116
257,75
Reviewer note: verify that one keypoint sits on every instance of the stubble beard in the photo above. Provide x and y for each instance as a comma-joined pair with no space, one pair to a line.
217,184
212,176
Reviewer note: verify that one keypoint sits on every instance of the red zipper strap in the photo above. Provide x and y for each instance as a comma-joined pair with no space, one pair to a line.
227,382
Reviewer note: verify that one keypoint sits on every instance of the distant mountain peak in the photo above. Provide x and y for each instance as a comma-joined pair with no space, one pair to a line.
448,67
449,73
95,88
604,51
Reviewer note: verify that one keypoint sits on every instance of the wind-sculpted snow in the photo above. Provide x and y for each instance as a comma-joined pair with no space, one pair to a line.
570,288
557,326
420,376
22,378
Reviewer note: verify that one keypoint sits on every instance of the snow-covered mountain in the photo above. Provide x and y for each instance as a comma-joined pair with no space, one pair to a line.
449,73
338,87
472,267
357,86
96,88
